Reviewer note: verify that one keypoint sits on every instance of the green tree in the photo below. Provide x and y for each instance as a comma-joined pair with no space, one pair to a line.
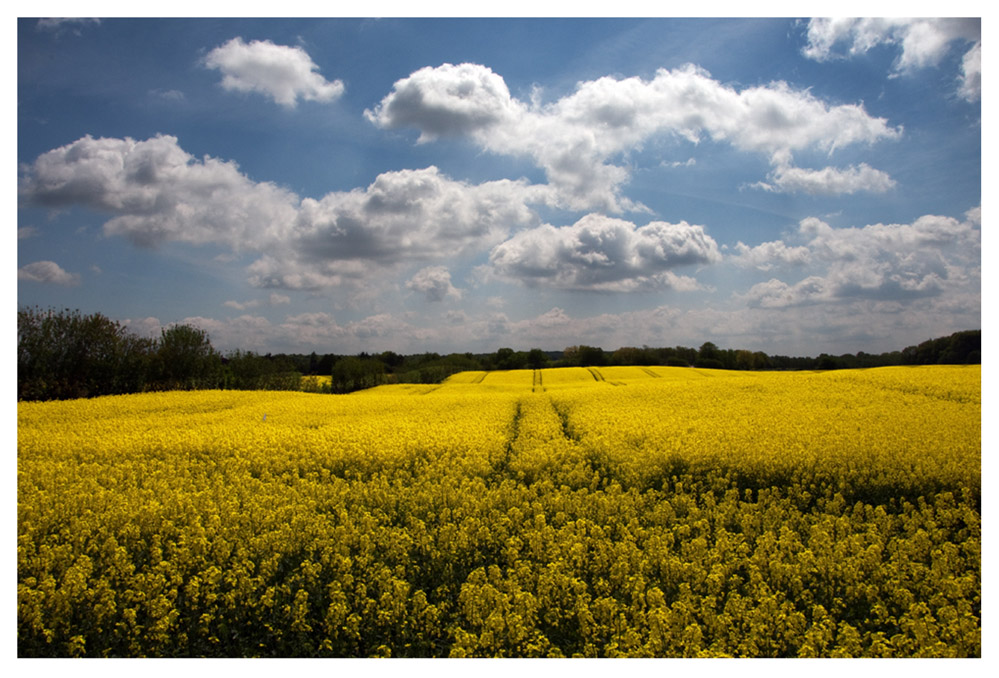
536,359
356,373
709,357
249,371
64,354
508,359
187,360
592,356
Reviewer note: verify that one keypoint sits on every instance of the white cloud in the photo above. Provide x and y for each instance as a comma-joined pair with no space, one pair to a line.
446,101
59,26
245,332
778,294
272,300
47,272
922,42
929,234
785,178
606,254
578,139
759,320
307,330
302,332
404,216
557,329
149,327
932,256
413,214
26,232
283,73
380,325
288,272
971,74
159,193
766,256
434,282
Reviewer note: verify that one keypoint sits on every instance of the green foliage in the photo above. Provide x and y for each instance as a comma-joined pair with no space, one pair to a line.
584,356
69,355
537,359
353,374
247,370
186,359
960,348
430,368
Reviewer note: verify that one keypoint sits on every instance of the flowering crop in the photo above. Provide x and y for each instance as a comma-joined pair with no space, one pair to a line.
614,511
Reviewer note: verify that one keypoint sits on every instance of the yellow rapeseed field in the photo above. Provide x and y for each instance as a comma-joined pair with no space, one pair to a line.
613,511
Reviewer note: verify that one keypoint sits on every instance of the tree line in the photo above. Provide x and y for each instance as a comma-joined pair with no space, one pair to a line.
65,354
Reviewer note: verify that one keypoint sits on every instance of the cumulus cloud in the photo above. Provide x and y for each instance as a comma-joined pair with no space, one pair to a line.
446,101
605,254
160,192
578,139
434,282
413,214
777,294
283,73
921,42
766,256
885,262
409,215
156,193
47,272
785,178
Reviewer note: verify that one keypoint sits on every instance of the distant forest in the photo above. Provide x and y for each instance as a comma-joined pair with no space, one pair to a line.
64,354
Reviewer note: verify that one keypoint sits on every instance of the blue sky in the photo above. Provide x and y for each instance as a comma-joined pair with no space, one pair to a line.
793,186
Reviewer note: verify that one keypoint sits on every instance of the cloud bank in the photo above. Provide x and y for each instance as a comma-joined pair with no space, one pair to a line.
887,262
159,193
578,140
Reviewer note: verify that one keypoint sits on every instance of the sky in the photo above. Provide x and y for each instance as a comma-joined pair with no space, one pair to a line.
792,186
